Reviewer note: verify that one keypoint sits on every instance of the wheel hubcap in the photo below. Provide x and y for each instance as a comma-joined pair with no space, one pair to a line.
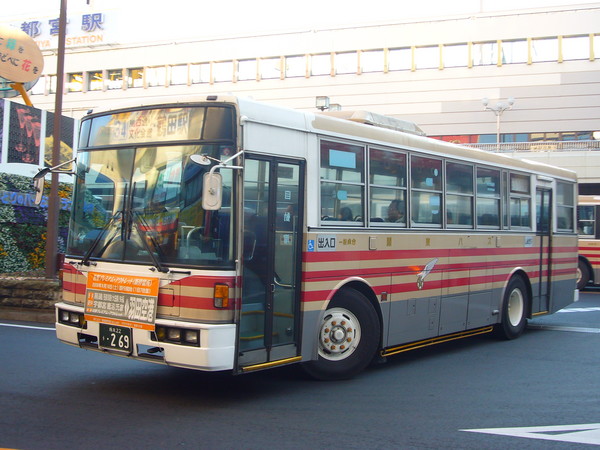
339,334
515,307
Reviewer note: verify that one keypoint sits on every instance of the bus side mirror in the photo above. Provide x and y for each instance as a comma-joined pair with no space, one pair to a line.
212,191
38,185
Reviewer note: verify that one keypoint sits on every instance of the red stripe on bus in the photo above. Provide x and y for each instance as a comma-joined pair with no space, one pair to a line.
206,303
405,269
204,281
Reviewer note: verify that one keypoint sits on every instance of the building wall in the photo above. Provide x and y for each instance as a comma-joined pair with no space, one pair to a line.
560,94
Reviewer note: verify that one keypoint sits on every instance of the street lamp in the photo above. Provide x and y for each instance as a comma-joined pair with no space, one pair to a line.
322,102
498,109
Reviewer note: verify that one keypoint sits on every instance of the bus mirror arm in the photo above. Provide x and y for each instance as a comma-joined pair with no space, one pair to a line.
212,191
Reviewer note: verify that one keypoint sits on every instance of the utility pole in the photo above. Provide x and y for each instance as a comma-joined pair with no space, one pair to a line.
53,200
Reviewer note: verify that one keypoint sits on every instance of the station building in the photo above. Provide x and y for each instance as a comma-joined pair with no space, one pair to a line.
530,77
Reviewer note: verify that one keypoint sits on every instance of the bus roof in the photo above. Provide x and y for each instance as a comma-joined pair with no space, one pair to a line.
363,126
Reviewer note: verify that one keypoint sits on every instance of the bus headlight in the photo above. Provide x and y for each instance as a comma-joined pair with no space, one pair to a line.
174,335
192,336
71,318
63,316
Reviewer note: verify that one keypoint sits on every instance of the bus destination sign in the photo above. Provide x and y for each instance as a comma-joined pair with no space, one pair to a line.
121,300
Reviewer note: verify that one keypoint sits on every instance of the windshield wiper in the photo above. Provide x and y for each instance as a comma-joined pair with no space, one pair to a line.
88,253
137,219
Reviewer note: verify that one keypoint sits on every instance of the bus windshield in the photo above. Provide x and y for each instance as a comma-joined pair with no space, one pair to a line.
144,205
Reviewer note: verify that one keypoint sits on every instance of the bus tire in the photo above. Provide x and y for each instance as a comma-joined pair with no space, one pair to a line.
583,274
348,337
514,310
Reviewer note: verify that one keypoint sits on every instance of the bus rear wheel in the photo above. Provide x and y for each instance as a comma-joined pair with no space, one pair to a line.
514,310
583,275
348,337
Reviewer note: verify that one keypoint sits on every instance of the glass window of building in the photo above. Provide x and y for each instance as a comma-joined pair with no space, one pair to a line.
576,47
179,74
342,183
200,73
114,79
455,55
135,77
75,82
52,84
346,62
427,57
543,50
222,71
39,88
295,66
514,52
156,76
387,178
270,68
426,192
399,59
320,64
485,53
95,80
247,69
372,61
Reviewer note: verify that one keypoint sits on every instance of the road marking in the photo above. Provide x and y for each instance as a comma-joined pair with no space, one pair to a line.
581,434
569,310
31,327
563,328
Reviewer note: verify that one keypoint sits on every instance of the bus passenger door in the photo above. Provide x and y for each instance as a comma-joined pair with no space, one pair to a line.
544,233
269,331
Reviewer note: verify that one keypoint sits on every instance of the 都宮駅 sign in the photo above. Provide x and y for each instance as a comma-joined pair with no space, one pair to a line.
21,60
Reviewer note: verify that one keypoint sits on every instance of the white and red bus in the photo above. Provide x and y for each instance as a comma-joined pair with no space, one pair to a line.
588,211
222,234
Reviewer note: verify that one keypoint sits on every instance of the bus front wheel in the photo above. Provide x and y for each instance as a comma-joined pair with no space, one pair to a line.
348,337
514,309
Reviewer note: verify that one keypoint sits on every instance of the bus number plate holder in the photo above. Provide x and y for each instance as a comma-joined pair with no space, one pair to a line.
113,337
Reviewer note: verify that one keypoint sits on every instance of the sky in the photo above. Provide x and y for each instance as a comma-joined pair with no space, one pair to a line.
153,20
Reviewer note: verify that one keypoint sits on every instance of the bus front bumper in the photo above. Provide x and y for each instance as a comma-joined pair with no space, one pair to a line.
214,350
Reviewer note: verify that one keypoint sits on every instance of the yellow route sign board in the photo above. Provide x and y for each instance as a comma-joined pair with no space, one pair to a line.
122,300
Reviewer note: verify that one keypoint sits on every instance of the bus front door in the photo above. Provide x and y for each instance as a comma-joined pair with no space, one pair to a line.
544,234
269,331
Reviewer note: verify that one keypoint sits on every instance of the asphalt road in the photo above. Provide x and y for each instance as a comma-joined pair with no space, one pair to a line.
53,396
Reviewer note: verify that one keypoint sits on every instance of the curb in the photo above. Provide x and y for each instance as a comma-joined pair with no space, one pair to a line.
27,314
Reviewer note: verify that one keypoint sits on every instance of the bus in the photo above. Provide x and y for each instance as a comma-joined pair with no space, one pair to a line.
223,234
588,270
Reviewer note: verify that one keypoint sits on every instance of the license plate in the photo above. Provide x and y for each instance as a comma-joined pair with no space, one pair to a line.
114,337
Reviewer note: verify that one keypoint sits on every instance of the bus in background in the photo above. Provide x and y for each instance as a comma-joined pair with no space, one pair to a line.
222,234
588,211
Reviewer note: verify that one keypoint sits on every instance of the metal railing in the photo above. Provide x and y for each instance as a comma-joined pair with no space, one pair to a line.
539,146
